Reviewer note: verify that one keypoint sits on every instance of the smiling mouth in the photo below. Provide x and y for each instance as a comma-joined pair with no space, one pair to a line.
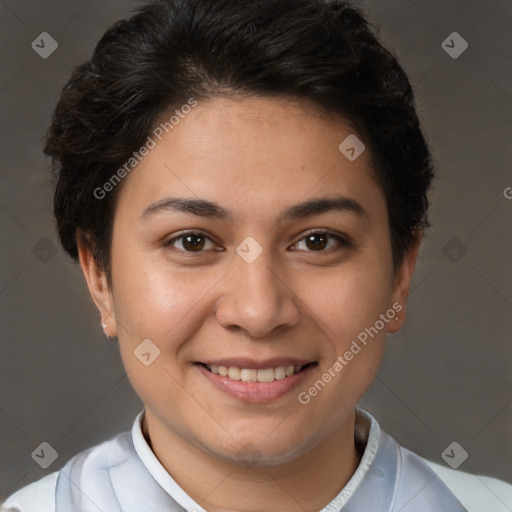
257,375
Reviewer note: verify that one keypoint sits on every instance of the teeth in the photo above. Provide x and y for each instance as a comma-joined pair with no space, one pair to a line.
279,372
253,375
248,375
234,373
266,375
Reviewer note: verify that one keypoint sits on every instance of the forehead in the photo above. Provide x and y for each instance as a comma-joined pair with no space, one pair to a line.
253,156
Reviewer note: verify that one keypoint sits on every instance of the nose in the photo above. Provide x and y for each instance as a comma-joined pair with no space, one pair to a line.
256,298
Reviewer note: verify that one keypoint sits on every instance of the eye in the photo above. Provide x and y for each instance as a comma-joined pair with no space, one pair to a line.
318,241
191,241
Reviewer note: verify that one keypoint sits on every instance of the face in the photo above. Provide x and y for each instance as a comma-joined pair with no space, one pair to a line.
264,283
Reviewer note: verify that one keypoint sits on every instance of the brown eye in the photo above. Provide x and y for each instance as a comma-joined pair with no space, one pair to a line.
319,241
193,242
190,242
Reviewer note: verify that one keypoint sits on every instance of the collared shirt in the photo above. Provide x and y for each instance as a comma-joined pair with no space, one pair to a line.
124,475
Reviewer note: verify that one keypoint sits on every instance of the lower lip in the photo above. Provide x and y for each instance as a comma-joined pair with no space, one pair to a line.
255,392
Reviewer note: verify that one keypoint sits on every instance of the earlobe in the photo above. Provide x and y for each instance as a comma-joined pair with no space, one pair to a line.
98,286
402,284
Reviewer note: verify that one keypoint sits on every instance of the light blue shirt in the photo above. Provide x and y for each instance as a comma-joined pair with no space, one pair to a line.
124,475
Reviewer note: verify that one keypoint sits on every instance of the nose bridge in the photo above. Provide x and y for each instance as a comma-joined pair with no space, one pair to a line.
259,277
256,299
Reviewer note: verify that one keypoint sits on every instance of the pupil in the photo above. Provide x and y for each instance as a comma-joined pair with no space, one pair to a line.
316,245
197,245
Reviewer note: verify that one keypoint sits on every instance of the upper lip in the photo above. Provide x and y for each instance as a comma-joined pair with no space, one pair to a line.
258,364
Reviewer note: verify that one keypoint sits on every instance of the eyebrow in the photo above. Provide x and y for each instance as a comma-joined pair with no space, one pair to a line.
209,209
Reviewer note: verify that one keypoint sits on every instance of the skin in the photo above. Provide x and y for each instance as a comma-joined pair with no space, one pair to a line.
255,157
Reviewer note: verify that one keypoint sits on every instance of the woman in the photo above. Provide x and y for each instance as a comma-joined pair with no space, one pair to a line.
245,188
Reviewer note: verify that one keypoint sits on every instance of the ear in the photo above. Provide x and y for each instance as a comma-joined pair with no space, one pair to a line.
402,283
97,284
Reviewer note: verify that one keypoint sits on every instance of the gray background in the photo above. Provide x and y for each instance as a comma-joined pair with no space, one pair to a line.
445,377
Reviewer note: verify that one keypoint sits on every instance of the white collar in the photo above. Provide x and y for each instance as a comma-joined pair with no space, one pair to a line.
367,431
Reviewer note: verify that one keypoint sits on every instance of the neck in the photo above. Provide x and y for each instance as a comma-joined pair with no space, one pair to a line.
308,482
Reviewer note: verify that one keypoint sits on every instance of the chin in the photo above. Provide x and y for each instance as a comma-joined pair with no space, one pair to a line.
260,449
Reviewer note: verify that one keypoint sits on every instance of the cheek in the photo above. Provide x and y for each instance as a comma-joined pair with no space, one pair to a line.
154,304
151,303
350,298
349,304
350,309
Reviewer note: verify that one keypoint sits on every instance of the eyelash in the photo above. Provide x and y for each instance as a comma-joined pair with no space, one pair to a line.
343,242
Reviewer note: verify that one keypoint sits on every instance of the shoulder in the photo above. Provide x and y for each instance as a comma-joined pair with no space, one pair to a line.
36,497
40,496
477,493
